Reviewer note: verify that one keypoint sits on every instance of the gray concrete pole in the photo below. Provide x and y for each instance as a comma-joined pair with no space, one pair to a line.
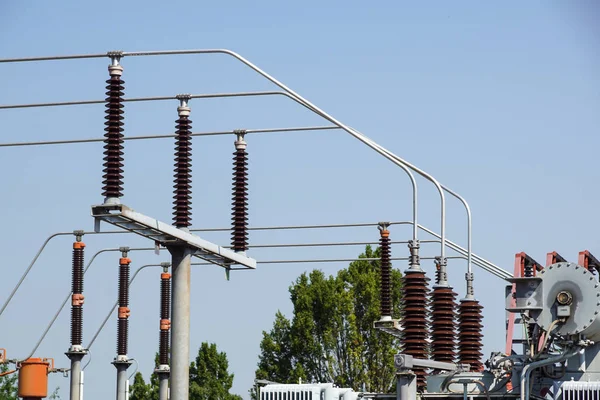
180,322
406,386
75,357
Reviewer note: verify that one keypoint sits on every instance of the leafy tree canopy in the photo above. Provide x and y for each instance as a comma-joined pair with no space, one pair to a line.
330,337
209,378
8,384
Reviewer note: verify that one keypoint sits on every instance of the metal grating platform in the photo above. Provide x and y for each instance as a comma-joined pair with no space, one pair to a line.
167,235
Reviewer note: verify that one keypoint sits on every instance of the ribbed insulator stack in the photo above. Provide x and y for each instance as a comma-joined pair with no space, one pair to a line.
443,324
414,319
165,315
470,336
385,272
123,322
239,216
182,214
77,294
113,142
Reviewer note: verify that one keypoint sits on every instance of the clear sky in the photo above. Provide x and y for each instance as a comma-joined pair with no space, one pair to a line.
499,102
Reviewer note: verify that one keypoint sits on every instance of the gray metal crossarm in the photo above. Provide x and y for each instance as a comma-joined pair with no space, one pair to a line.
126,218
404,361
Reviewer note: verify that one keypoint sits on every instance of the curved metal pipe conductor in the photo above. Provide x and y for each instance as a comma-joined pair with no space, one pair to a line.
528,369
250,65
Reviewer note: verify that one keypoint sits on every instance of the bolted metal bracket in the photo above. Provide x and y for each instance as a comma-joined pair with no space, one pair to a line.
163,369
528,295
122,359
389,326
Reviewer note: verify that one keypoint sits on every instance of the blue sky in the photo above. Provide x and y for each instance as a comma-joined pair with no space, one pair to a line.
499,102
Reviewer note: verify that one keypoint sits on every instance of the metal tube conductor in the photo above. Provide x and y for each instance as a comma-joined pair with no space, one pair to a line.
113,148
122,361
76,351
385,309
239,220
163,370
183,168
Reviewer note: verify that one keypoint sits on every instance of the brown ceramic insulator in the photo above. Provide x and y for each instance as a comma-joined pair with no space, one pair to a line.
182,214
76,325
122,336
414,320
470,343
165,314
165,298
239,216
443,324
77,288
123,323
163,348
113,142
124,285
385,270
77,275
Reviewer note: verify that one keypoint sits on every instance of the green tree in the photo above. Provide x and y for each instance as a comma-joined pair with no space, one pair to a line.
8,384
209,378
55,395
142,391
330,337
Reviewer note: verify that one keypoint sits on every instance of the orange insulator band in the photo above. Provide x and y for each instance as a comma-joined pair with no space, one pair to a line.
124,261
77,299
165,324
165,275
78,245
124,312
385,233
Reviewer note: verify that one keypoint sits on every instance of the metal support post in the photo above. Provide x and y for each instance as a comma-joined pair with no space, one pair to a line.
122,363
180,322
163,382
406,386
76,390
